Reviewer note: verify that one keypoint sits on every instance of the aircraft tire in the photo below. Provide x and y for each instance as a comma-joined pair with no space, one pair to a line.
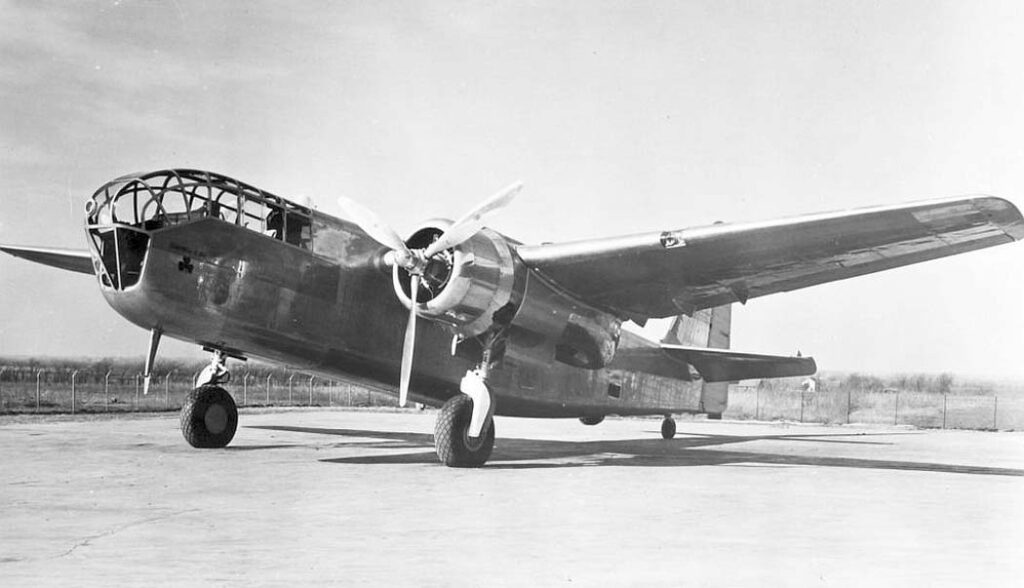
590,421
454,447
209,417
668,428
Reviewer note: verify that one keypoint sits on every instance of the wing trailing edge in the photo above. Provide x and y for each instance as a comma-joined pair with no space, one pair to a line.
65,259
713,365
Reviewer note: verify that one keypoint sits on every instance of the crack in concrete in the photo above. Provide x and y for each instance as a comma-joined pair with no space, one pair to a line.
88,540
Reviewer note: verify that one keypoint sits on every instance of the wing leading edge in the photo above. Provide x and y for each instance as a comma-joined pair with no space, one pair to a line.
672,272
65,259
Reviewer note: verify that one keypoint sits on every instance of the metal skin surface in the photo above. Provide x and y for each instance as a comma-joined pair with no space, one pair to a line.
253,295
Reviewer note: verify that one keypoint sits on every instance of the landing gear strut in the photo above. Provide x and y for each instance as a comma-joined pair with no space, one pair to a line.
464,432
668,427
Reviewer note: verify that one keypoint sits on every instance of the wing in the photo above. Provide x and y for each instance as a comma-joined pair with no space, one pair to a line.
673,272
66,259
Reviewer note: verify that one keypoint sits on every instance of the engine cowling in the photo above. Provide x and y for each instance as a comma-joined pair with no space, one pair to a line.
482,284
464,287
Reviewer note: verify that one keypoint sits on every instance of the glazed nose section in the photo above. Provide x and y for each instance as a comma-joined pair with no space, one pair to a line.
122,254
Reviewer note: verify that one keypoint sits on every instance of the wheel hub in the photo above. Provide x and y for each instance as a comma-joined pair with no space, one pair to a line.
216,419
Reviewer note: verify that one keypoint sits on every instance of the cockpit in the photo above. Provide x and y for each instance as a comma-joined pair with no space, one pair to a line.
121,215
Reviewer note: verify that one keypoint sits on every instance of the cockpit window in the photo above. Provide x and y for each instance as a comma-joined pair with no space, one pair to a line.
160,199
122,213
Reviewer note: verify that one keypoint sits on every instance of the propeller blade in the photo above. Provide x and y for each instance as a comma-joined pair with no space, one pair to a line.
409,345
468,225
374,226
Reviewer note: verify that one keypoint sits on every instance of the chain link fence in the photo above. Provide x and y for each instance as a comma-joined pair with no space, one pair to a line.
890,407
28,390
59,390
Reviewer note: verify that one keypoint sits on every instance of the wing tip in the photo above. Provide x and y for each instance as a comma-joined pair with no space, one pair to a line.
1003,213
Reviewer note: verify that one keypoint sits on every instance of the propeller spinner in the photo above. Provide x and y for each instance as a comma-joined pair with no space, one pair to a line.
415,261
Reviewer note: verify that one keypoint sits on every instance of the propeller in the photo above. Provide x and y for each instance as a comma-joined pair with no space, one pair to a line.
415,261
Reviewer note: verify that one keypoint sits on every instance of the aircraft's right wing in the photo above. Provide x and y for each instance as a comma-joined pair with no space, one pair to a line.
66,259
678,272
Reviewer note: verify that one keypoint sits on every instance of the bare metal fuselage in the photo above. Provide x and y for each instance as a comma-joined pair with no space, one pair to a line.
224,286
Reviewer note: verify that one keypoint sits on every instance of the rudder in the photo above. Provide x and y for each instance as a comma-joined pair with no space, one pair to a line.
710,327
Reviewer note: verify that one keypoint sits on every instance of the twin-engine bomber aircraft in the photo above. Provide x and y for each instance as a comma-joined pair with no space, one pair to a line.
504,328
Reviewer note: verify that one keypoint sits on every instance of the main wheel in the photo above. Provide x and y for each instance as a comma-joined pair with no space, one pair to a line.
668,428
591,420
209,417
455,448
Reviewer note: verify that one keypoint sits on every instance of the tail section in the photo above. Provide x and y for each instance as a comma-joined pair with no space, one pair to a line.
710,327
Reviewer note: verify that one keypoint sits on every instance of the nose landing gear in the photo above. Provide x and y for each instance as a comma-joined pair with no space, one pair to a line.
209,416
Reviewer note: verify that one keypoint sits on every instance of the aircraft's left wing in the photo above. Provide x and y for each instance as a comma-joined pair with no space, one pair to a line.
66,259
678,272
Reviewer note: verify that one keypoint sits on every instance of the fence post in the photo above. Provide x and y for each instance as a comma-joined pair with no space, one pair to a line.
290,378
2,370
106,392
848,402
268,389
74,392
944,411
757,403
801,406
137,377
896,419
995,413
39,375
311,390
167,389
245,389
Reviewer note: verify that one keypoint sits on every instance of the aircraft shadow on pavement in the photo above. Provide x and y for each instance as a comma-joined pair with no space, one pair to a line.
686,450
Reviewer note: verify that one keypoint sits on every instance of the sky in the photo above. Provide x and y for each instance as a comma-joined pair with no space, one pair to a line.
620,117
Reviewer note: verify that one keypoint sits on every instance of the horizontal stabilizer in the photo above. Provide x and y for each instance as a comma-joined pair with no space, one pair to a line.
65,259
722,365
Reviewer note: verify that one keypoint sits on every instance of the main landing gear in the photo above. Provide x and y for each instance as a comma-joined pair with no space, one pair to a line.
455,448
209,416
464,432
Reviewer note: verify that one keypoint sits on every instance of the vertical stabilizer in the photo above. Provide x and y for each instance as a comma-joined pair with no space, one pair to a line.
705,328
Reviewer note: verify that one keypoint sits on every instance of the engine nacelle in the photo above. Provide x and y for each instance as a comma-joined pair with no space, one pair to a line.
482,284
465,286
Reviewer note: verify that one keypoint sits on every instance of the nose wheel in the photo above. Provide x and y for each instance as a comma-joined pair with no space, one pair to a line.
668,428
